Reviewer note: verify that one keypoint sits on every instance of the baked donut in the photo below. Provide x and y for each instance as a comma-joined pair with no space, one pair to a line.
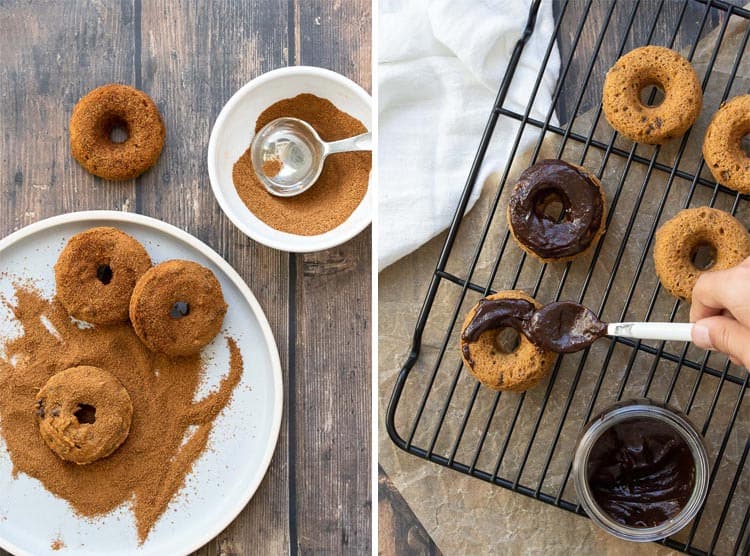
722,146
84,414
99,113
695,241
177,308
579,196
96,273
641,68
493,361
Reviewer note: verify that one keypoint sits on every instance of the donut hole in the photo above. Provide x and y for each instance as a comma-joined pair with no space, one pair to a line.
507,340
116,129
86,414
703,255
745,144
550,205
179,309
104,273
651,95
118,134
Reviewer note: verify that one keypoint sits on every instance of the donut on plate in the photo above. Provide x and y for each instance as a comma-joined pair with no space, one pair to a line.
96,273
84,414
112,107
642,68
695,241
177,308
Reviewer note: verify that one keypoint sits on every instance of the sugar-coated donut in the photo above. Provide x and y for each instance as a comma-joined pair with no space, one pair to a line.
722,146
101,111
641,68
582,218
177,308
84,414
722,237
490,361
96,273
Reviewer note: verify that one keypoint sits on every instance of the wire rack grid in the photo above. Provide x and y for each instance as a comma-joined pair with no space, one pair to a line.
524,442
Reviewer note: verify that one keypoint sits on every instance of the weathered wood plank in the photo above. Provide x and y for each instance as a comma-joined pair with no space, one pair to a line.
51,54
193,58
331,370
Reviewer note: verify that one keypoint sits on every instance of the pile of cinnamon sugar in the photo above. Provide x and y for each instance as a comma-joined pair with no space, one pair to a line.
340,188
151,466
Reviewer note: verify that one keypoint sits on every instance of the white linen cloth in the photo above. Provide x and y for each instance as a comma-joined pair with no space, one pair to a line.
440,66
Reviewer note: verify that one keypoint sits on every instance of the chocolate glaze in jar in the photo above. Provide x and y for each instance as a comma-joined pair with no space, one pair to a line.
641,470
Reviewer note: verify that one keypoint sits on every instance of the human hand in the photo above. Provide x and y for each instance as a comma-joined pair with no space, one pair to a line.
721,312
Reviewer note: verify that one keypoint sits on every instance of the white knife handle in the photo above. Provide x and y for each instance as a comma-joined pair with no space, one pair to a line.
678,331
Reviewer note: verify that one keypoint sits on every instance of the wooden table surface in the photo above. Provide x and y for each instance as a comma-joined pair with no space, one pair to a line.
191,57
400,531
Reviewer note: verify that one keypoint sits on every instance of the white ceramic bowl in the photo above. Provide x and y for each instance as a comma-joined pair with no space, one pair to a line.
234,130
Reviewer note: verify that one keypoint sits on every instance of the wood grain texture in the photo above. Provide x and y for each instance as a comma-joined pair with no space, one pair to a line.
191,57
333,350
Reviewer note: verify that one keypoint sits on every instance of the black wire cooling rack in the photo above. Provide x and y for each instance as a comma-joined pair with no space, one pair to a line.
525,442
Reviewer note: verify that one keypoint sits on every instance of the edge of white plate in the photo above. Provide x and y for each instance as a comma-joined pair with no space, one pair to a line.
211,154
130,217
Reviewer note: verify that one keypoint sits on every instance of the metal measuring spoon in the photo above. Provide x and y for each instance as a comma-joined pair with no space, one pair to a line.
565,326
291,150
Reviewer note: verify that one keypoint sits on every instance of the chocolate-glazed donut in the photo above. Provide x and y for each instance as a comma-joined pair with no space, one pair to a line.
494,364
581,220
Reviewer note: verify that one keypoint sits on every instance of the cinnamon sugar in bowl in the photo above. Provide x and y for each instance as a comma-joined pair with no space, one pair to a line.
231,137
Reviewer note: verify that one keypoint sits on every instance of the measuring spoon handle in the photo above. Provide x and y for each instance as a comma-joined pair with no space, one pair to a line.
678,331
357,143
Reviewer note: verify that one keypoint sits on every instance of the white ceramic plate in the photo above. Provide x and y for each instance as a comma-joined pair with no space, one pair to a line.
234,130
242,441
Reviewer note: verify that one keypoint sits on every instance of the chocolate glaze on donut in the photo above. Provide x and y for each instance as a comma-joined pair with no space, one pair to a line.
581,219
563,327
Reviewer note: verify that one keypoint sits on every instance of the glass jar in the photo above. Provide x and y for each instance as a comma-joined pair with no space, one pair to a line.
647,409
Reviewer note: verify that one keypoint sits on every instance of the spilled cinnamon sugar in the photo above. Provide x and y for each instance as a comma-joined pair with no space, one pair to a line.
340,188
151,465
